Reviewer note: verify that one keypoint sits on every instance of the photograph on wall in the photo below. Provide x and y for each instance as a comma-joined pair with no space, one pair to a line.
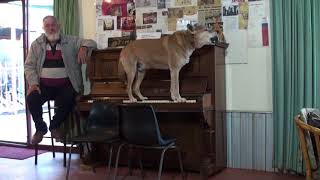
172,24
131,8
182,2
98,9
237,1
190,10
149,18
175,12
164,13
146,3
206,2
108,24
243,15
230,10
161,4
112,10
127,23
119,41
208,17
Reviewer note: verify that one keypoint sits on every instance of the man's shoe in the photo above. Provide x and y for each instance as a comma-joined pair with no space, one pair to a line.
37,137
56,133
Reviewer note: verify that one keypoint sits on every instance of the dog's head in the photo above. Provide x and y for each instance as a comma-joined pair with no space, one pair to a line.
202,36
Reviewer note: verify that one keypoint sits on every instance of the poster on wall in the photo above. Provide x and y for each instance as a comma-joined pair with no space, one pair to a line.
256,16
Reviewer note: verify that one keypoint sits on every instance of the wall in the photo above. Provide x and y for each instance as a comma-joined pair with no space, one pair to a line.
249,86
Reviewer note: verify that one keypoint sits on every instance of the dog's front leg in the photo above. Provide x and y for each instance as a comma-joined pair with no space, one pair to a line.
174,86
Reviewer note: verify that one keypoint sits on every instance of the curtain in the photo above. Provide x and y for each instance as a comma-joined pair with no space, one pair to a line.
67,13
295,28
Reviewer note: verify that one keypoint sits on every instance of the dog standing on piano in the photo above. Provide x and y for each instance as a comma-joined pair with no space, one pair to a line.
169,52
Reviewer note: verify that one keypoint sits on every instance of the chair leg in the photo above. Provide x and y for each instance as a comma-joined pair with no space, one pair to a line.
141,166
180,162
130,161
36,154
110,160
117,161
161,160
69,162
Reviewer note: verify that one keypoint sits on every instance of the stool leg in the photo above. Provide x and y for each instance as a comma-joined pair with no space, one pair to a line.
64,154
69,162
53,149
50,119
36,154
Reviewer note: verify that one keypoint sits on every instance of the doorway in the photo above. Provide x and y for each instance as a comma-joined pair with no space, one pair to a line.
13,119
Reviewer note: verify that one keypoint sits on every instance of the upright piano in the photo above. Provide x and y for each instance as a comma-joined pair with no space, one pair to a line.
198,124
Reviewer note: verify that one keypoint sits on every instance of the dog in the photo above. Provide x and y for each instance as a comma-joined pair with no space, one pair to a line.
169,52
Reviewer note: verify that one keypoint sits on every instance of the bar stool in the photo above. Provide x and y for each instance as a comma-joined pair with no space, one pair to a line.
52,141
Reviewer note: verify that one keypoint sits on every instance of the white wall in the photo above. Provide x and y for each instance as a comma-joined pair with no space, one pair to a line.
249,86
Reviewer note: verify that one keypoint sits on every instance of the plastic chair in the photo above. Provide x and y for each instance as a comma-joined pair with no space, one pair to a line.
101,127
139,129
52,141
304,132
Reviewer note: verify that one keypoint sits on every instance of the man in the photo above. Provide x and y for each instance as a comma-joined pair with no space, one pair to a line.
53,72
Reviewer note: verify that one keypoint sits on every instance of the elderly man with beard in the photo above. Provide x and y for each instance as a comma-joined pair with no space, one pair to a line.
53,72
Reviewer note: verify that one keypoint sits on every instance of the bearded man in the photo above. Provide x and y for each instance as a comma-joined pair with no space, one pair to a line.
53,72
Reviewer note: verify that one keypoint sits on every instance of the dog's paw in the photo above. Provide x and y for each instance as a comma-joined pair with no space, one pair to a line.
133,100
143,98
181,99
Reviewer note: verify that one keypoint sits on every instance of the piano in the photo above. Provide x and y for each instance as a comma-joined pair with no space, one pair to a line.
198,124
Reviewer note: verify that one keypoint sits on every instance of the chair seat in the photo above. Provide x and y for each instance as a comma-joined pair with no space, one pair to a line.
165,141
95,137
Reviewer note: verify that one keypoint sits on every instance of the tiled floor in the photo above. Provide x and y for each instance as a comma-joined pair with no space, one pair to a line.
52,169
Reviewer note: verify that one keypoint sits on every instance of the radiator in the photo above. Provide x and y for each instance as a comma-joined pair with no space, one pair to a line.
250,140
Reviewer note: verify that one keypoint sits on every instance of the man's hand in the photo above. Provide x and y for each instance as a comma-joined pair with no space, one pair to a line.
33,88
82,55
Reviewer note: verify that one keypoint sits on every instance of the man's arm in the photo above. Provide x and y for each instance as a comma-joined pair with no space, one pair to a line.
85,47
30,67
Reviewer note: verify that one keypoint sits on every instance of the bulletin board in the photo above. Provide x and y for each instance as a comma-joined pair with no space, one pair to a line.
119,22
245,26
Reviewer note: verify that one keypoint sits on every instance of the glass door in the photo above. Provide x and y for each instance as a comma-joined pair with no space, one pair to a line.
13,127
12,100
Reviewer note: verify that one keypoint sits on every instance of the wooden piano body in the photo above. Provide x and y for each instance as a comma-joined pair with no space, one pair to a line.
199,126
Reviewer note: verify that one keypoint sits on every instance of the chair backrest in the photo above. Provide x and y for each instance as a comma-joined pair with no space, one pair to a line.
139,124
103,117
305,130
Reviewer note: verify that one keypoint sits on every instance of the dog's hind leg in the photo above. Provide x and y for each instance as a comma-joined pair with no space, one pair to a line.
140,75
131,72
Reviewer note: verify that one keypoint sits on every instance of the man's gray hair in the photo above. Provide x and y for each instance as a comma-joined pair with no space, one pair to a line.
50,16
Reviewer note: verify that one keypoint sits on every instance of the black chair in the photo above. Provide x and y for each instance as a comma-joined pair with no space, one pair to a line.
139,129
101,127
52,141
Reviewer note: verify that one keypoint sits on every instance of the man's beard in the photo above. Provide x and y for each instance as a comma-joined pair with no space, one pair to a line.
53,37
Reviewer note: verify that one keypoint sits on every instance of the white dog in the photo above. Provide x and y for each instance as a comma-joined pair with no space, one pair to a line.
169,52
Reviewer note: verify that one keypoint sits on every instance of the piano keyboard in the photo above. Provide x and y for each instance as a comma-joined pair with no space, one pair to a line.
148,101
159,101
